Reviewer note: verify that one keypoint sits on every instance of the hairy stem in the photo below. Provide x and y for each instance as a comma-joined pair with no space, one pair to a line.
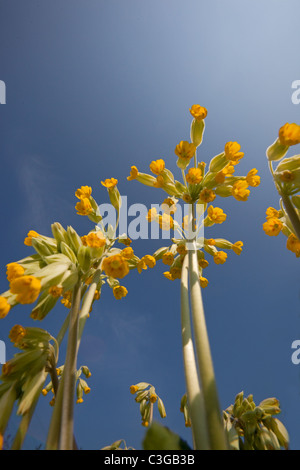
211,401
194,394
69,374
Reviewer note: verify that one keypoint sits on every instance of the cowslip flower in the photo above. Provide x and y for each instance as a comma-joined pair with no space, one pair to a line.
252,178
109,183
84,207
17,333
181,249
185,150
169,276
287,176
194,176
220,257
271,213
223,174
175,272
293,244
152,214
198,112
97,295
141,265
133,389
289,134
203,263
31,234
159,182
127,253
14,270
187,198
115,266
169,206
207,195
166,222
83,192
272,226
4,307
66,300
133,173
27,289
203,282
120,292
232,152
237,247
157,166
94,239
55,291
216,215
150,261
240,191
168,258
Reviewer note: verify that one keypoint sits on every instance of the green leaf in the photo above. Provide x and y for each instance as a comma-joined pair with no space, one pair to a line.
161,438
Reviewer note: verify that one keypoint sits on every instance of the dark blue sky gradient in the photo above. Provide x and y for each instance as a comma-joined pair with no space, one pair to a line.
94,87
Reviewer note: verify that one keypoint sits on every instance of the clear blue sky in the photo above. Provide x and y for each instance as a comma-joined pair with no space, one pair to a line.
95,87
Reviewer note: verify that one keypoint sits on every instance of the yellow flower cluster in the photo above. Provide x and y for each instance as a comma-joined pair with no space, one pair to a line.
23,289
31,234
201,184
287,181
277,221
198,184
84,206
109,183
94,240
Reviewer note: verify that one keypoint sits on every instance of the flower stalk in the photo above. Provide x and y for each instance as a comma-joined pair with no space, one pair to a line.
67,416
215,426
194,393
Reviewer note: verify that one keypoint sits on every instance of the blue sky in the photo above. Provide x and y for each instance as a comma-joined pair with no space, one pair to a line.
95,87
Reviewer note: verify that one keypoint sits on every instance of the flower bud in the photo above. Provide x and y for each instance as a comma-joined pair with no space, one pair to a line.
66,250
276,151
224,190
75,240
115,198
84,258
41,247
197,131
280,431
45,304
86,371
147,180
218,162
59,233
161,408
291,163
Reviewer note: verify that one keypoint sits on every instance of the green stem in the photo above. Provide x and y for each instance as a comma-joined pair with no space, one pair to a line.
212,407
88,300
194,394
55,423
69,374
184,178
293,216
